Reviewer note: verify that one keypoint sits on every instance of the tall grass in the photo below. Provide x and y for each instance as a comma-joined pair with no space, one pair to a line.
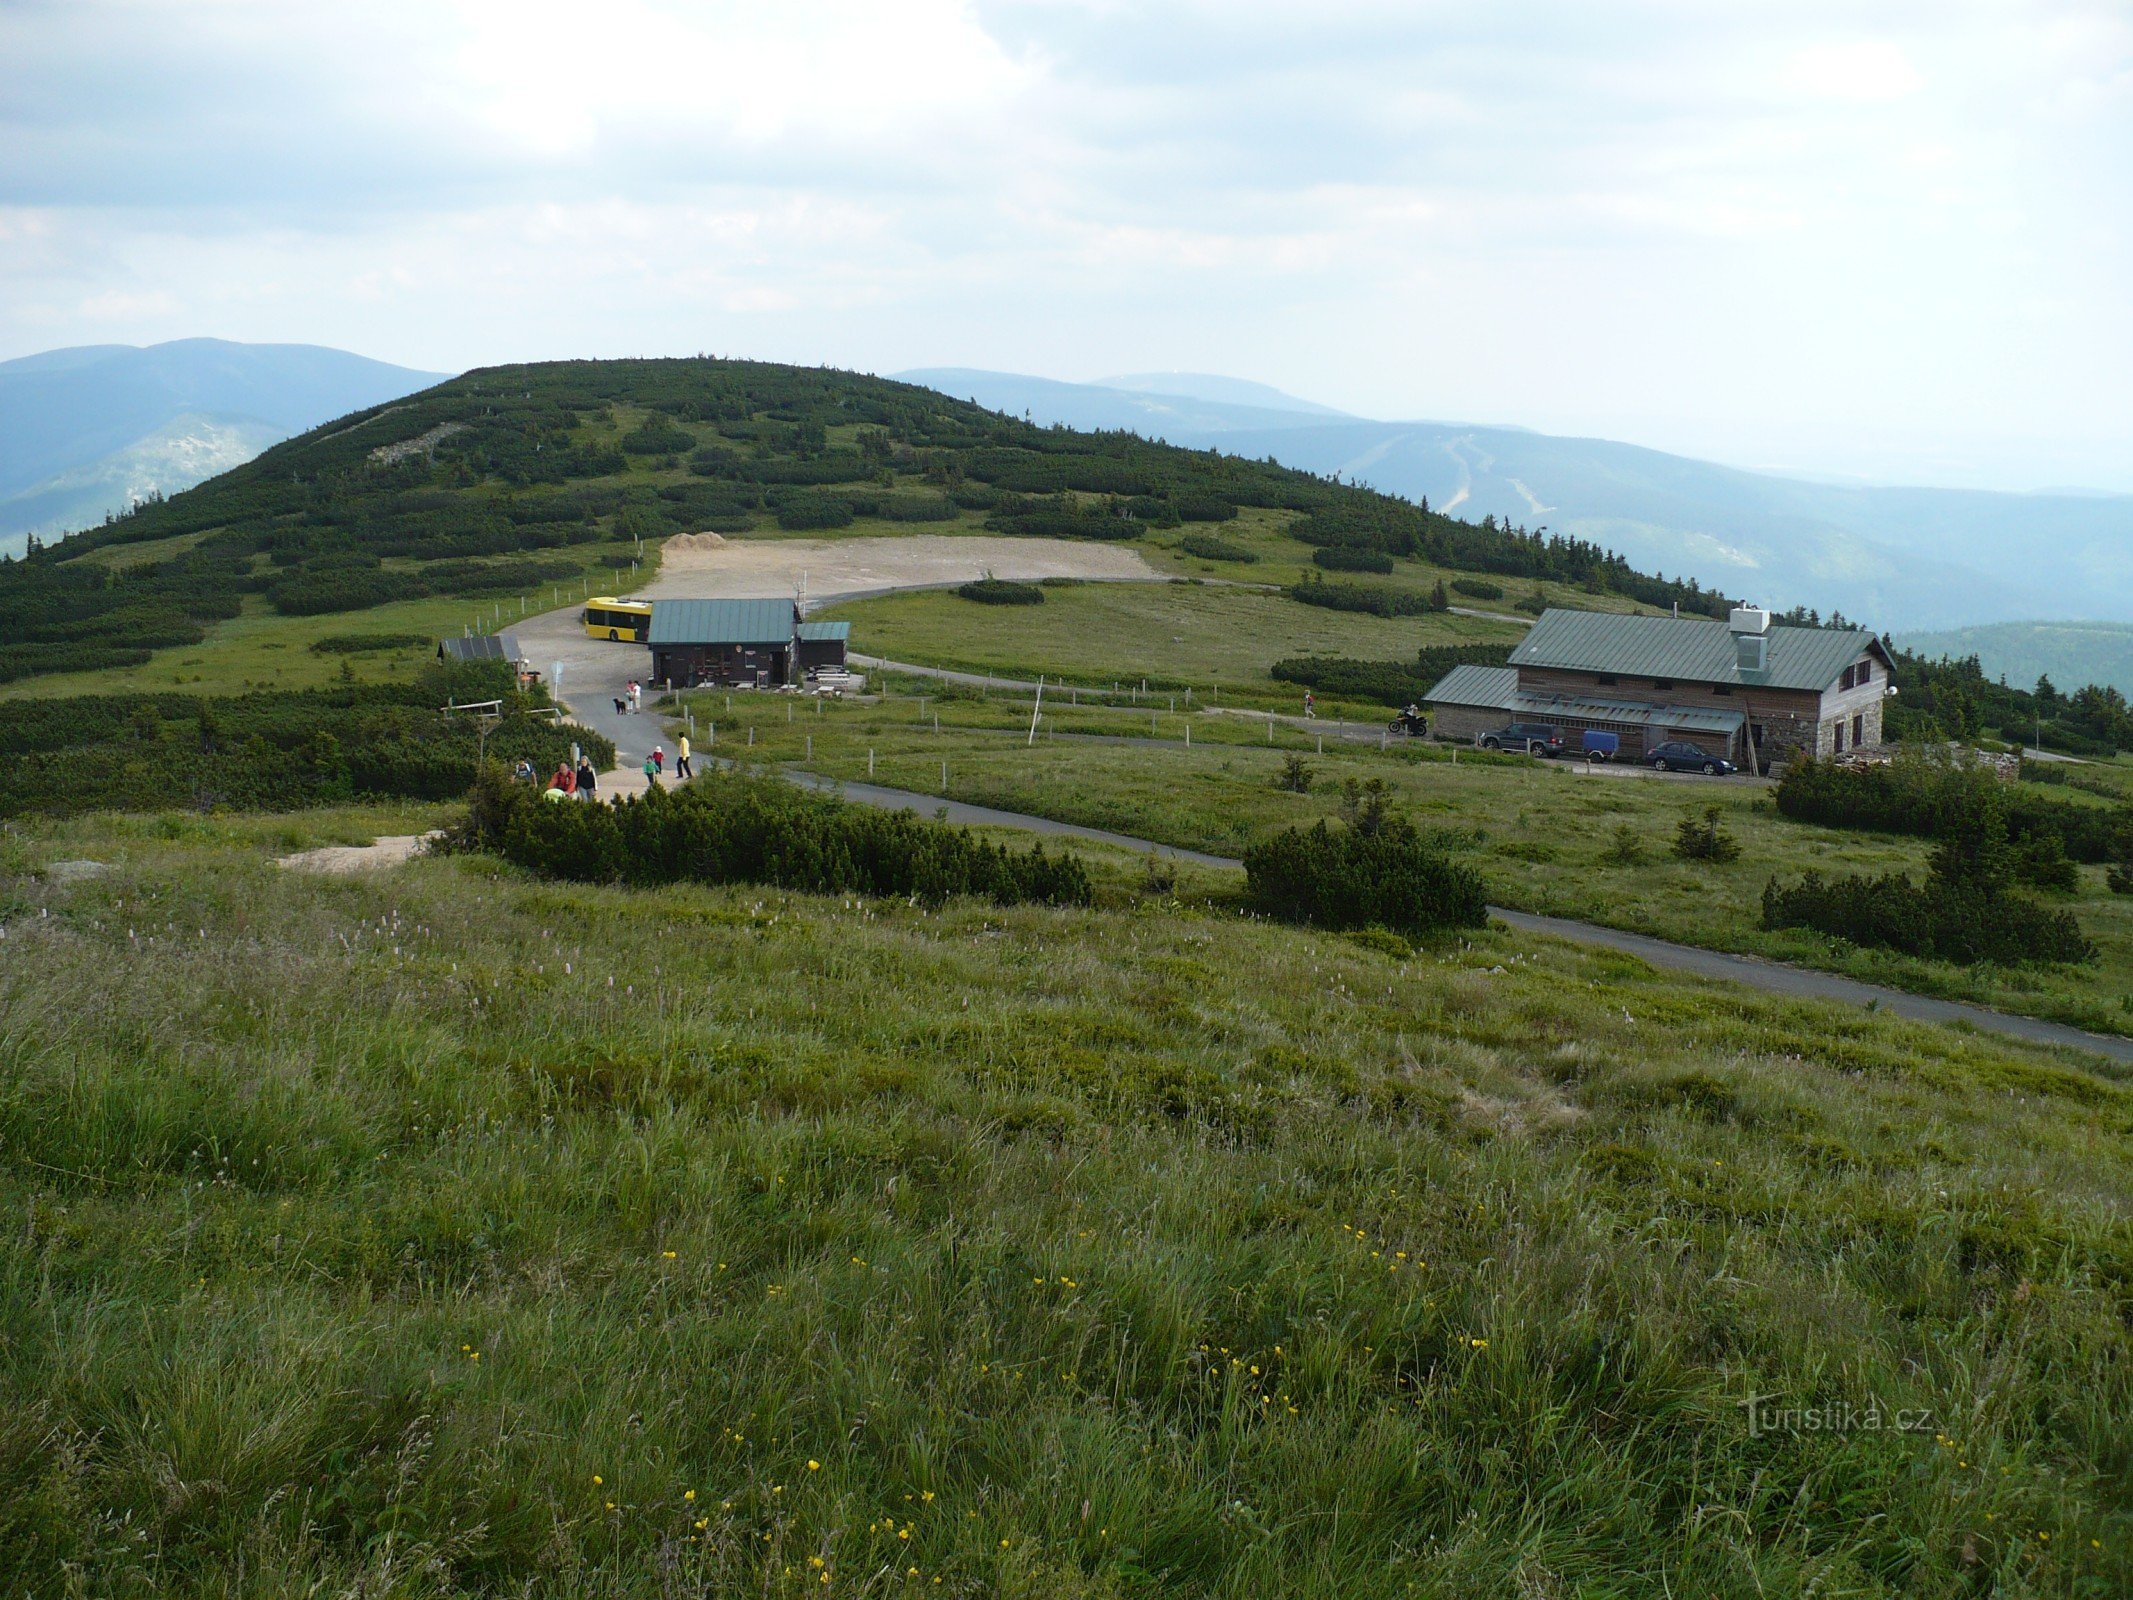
443,1232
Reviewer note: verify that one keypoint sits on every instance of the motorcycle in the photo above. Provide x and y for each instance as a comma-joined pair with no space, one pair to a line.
1412,725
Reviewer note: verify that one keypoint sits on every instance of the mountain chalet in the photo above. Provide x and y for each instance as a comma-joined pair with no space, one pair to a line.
1745,688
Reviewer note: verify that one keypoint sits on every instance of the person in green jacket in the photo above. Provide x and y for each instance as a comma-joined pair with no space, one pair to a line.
651,772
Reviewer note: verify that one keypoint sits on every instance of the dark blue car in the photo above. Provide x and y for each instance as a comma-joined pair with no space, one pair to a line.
1679,756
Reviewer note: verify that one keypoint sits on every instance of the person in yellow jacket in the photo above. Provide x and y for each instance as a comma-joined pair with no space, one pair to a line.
682,769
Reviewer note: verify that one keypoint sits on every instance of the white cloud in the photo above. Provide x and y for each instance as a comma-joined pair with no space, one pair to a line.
1861,70
1696,225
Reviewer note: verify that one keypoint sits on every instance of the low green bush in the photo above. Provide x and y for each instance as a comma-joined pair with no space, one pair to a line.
1336,559
656,437
801,512
732,828
1477,588
1371,873
917,508
349,644
1967,926
1378,600
1923,793
1705,839
1390,683
274,752
1000,592
1211,547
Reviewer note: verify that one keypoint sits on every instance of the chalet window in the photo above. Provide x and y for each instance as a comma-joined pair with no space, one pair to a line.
1863,673
1662,683
1721,688
1603,677
1840,736
1844,681
1858,731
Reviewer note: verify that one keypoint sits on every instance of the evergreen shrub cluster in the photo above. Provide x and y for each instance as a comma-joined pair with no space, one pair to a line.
1967,926
1477,588
1925,795
1378,600
1336,559
1212,547
1965,912
1390,683
1001,592
1377,870
277,751
734,828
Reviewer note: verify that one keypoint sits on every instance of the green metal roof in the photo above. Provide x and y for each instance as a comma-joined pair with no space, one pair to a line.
1496,689
824,632
481,647
1487,688
721,622
1689,649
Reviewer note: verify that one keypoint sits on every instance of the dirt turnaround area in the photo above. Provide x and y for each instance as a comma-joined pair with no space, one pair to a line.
703,566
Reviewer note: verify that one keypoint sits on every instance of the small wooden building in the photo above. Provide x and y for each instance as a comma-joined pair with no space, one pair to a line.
1741,688
481,647
736,643
823,645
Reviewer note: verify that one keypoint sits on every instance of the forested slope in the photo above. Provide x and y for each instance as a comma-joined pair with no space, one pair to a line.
471,487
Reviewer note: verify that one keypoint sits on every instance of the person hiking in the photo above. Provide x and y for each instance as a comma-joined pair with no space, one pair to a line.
659,757
588,782
566,779
523,772
1310,704
651,772
682,769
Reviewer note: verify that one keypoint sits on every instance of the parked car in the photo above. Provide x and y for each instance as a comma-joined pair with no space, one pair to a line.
1538,737
1680,756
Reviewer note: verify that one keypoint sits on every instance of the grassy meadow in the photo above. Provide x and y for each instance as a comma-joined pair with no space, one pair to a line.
444,1232
1206,637
1550,837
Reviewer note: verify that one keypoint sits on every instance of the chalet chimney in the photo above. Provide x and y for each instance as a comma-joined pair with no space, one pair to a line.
1750,627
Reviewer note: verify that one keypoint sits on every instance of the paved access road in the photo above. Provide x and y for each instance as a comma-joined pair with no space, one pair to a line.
594,673
1772,977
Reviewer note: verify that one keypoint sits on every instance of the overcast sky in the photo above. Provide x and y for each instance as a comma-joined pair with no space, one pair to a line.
1872,236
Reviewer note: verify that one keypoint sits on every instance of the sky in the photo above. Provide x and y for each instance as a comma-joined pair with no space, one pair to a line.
1876,237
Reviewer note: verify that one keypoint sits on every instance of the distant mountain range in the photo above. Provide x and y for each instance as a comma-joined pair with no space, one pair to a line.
92,429
2069,653
1894,558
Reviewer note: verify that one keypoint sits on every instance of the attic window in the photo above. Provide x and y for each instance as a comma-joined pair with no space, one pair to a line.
1603,677
1721,688
1662,683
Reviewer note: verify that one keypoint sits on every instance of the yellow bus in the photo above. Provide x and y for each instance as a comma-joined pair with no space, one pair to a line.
609,618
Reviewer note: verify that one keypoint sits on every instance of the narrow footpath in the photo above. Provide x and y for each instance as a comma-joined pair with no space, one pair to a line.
1772,977
589,689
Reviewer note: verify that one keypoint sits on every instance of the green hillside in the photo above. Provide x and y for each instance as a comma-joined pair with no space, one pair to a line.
2069,653
447,1232
515,484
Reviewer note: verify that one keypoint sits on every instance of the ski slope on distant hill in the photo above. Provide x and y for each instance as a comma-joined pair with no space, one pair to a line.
1894,557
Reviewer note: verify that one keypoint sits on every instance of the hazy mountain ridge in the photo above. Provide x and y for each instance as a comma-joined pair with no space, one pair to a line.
1901,558
89,429
2069,653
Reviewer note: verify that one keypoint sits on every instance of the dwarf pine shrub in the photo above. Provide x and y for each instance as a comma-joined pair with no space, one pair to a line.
1382,874
732,828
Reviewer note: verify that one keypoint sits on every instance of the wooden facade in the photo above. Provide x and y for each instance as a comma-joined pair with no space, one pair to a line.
1742,689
